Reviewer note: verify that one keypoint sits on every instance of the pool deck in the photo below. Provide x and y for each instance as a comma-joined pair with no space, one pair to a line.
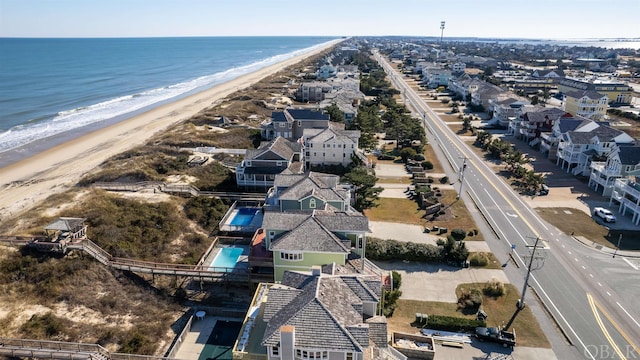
196,339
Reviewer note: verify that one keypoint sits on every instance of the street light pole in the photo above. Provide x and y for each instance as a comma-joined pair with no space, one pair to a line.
526,279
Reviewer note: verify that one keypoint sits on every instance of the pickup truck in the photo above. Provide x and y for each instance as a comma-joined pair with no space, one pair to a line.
494,334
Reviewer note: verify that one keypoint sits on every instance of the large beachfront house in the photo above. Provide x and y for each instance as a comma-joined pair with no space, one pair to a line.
261,165
309,220
327,313
330,146
290,123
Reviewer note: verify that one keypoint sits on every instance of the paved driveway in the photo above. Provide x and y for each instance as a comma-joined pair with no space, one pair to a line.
436,282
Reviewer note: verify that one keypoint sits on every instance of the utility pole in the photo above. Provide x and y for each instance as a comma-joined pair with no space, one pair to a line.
441,31
461,175
520,304
618,246
526,279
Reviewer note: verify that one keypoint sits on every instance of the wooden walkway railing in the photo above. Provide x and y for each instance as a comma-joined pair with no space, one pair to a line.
45,349
199,272
179,189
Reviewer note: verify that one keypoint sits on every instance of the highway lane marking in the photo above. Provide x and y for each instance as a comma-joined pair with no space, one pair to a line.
624,335
535,280
576,259
599,284
569,252
591,275
584,268
608,293
563,246
629,315
603,328
428,112
630,263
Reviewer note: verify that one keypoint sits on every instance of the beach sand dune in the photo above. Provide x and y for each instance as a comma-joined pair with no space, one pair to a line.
29,181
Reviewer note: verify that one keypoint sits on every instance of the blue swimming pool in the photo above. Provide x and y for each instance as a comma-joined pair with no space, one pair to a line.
244,216
227,257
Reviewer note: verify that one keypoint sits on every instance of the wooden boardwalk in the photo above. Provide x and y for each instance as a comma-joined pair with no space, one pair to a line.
177,189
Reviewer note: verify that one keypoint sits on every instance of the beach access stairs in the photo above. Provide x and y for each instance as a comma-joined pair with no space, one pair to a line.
186,190
199,271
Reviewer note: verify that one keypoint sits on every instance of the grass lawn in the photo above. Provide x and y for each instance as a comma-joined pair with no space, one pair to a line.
499,310
580,224
406,211
430,155
492,263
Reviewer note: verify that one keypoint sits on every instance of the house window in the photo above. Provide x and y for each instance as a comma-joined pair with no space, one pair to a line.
278,163
299,123
291,255
248,163
281,124
349,356
275,351
272,234
312,203
314,154
311,355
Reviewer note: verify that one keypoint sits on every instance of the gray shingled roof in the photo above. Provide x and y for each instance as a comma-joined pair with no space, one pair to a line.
579,94
343,221
629,155
306,114
324,315
310,236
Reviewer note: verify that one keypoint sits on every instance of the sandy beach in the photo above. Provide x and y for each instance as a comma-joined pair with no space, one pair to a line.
29,181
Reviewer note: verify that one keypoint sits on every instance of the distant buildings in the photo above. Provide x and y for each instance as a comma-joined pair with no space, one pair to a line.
616,91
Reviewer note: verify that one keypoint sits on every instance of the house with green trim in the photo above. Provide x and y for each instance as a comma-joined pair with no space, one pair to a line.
308,220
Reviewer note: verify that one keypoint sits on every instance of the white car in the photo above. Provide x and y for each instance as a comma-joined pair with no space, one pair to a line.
605,214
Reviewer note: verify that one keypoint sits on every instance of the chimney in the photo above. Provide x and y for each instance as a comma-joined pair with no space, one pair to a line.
287,342
316,270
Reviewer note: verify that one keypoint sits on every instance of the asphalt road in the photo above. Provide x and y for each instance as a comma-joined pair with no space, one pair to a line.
596,312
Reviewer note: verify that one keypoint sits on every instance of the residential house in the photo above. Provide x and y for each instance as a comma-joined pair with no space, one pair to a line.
308,220
458,67
506,109
330,146
622,162
590,140
464,85
326,71
484,92
261,165
616,91
346,100
562,125
587,103
291,123
435,77
626,194
533,121
548,73
328,313
313,91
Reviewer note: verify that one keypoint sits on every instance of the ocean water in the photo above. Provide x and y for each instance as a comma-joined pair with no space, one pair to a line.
59,86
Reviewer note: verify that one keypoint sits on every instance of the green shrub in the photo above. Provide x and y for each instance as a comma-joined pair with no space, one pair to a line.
397,280
418,157
43,326
479,260
427,165
493,288
389,302
470,299
444,180
458,234
378,249
450,323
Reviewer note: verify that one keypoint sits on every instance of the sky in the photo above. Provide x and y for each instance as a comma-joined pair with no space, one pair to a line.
540,19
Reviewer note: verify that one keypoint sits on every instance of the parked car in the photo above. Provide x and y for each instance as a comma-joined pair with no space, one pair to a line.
604,214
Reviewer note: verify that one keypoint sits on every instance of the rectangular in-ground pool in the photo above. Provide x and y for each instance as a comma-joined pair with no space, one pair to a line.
221,340
227,258
244,216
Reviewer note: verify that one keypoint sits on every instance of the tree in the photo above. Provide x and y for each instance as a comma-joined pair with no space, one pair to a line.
335,114
483,139
466,124
364,182
407,153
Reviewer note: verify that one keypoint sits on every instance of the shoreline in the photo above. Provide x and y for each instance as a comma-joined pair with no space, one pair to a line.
30,180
